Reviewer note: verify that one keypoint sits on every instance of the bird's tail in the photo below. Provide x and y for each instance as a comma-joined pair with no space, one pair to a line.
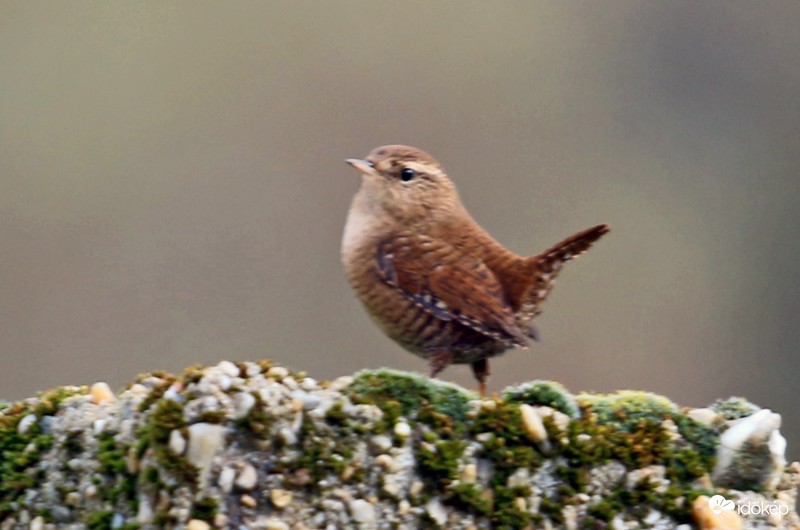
545,268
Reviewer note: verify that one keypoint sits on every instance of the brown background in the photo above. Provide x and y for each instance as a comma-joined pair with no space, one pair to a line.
172,188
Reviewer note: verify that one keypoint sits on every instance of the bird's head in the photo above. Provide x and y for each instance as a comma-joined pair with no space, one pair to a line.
406,183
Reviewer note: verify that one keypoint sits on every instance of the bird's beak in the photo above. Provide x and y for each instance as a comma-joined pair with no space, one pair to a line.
362,166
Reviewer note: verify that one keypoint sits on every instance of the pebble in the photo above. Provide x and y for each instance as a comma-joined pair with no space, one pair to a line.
177,443
205,439
362,511
290,383
73,498
309,383
247,501
277,372
380,443
288,436
275,524
749,434
243,403
197,524
228,368
307,401
402,429
26,423
385,461
101,393
469,474
37,523
247,478
98,426
280,498
532,421
340,383
705,416
173,393
436,511
403,507
251,369
416,488
226,478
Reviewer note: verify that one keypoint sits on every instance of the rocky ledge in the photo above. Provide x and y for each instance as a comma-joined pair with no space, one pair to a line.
254,445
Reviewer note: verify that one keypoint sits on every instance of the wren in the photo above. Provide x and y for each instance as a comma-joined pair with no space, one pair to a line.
430,277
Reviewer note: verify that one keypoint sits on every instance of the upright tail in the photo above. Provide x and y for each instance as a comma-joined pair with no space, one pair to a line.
544,270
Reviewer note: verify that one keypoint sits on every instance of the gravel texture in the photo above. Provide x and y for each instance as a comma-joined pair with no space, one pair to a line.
255,445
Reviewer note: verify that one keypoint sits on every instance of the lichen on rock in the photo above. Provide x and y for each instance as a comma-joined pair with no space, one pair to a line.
256,445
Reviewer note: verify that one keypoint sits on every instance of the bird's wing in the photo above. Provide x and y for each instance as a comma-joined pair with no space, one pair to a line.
448,284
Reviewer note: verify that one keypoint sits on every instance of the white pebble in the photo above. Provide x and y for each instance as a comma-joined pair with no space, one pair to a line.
437,511
244,402
247,479
309,383
177,443
205,439
26,423
226,478
307,401
275,524
705,416
277,372
173,393
98,426
362,511
37,523
251,369
288,436
229,368
402,429
532,421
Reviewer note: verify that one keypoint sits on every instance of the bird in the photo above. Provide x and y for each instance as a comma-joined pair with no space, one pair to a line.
430,277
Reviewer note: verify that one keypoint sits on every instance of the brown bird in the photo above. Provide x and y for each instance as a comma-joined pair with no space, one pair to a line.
430,277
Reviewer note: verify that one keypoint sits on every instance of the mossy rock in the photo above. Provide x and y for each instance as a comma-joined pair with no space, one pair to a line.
543,393
404,394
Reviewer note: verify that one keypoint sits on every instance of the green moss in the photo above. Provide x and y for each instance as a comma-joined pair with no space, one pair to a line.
166,417
157,392
438,463
258,421
626,408
734,408
508,448
99,520
325,451
468,498
403,394
548,393
335,414
21,453
205,509
506,514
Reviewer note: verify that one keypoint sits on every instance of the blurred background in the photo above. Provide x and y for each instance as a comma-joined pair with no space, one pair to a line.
173,191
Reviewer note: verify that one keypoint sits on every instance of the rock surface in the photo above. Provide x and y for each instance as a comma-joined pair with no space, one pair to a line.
254,445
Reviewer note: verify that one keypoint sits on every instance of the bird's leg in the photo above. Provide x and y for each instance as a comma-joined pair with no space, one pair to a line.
481,371
439,360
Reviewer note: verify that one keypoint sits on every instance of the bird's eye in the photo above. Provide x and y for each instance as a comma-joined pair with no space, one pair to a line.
407,174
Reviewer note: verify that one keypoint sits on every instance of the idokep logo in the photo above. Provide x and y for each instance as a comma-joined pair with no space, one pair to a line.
720,504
